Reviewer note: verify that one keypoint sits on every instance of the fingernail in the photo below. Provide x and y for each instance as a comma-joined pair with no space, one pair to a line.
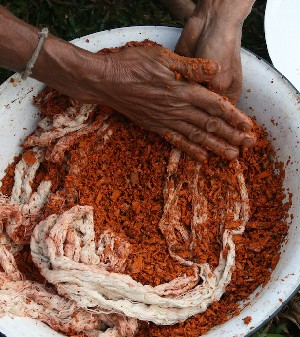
245,127
230,153
248,142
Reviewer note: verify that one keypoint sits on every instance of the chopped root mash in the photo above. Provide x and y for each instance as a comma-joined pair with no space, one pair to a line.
108,231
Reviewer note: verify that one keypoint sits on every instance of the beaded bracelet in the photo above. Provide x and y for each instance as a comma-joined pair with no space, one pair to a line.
43,34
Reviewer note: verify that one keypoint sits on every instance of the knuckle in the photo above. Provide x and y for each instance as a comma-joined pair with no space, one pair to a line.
213,124
175,97
216,106
197,136
172,100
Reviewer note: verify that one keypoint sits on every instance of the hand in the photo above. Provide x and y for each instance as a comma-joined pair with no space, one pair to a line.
219,45
157,89
214,31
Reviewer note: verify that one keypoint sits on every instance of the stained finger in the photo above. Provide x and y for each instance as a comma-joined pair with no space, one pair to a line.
194,69
216,105
220,128
207,140
231,135
182,143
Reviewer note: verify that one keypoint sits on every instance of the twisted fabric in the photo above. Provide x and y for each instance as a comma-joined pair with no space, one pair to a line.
88,275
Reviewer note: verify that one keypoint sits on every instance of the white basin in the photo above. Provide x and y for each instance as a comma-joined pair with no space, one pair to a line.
271,98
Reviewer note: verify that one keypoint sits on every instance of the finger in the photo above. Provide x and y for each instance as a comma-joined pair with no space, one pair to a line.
231,135
220,128
194,69
206,139
216,105
182,143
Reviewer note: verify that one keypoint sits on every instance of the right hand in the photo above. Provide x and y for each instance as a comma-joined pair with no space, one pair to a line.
221,45
214,31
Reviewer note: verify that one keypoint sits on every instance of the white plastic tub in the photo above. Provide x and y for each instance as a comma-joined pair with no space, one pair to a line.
274,102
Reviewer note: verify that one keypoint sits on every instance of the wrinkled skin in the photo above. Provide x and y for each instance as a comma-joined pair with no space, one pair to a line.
218,45
143,83
213,36
146,89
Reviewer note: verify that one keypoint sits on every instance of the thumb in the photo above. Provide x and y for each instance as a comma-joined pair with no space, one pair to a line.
193,69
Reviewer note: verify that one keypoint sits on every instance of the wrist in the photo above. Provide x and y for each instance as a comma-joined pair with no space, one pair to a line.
71,70
229,14
61,65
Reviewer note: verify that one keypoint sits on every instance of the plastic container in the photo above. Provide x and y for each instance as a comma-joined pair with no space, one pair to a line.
266,94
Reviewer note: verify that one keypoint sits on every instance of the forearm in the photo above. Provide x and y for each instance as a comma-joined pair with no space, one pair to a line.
60,64
17,41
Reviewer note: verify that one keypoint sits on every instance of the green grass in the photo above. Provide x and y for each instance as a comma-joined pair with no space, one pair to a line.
70,19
